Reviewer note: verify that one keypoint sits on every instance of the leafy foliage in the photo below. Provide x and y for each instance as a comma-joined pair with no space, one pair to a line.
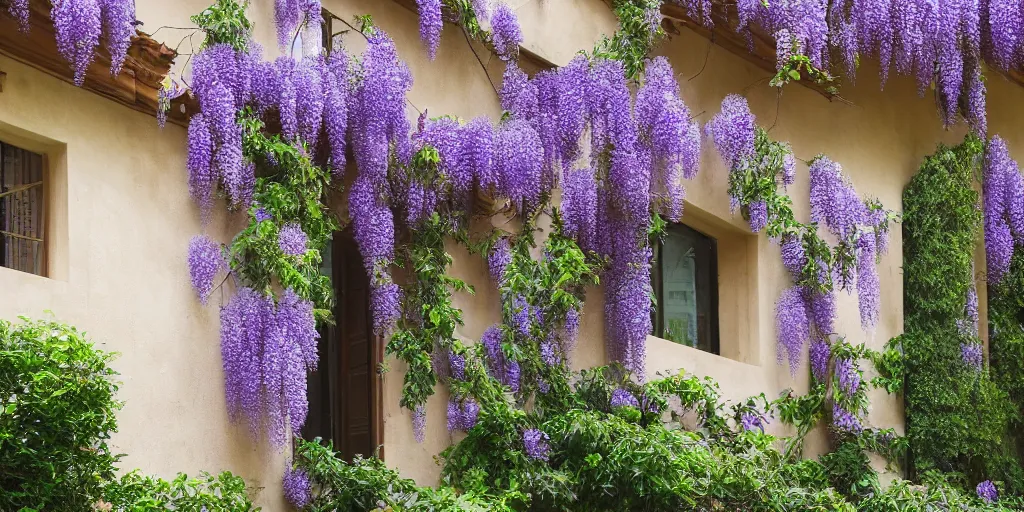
636,36
57,413
608,459
957,417
225,22
56,419
290,188
139,493
1005,311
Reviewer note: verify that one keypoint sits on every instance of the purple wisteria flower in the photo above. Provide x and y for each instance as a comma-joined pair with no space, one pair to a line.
1006,29
336,75
457,363
976,116
477,152
499,258
481,9
794,258
78,26
462,414
549,351
454,415
823,310
750,421
987,492
518,161
834,203
512,373
261,215
848,376
535,444
758,211
521,318
119,27
430,25
972,355
298,489
18,9
506,35
669,137
310,96
470,413
868,286
572,329
788,169
793,326
373,225
733,130
205,261
845,422
201,178
1004,208
819,355
292,240
579,206
518,93
385,305
623,398
419,423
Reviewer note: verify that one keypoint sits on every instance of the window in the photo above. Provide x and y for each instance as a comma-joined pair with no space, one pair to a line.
22,209
685,283
346,392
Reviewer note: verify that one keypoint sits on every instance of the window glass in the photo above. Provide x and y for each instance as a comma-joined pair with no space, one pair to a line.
685,283
22,225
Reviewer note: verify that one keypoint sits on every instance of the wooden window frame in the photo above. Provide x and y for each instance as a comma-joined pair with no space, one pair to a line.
658,288
44,204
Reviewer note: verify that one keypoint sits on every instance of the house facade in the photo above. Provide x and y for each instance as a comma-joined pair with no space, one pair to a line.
106,249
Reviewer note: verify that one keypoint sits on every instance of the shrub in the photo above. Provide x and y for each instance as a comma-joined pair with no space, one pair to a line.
57,412
140,493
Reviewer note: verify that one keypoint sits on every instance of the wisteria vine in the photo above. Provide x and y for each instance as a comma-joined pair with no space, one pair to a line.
80,26
758,166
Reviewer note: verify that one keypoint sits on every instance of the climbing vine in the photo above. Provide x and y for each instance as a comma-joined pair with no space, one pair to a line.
271,136
956,415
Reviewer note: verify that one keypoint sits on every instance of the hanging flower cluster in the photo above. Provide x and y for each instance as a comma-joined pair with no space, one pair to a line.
462,415
80,25
267,350
987,492
937,42
298,489
861,227
268,340
757,166
972,355
1003,188
535,444
205,261
291,15
505,35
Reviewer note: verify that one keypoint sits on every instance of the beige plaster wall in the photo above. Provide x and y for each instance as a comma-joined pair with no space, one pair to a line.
121,276
127,219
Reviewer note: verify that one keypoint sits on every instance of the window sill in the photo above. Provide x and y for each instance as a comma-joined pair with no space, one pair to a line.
737,379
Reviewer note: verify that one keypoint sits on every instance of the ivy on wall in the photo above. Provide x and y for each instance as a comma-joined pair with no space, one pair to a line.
1006,346
957,417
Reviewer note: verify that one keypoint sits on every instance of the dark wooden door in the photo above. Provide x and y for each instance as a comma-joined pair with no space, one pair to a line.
358,358
345,393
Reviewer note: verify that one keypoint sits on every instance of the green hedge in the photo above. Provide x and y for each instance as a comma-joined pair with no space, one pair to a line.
57,412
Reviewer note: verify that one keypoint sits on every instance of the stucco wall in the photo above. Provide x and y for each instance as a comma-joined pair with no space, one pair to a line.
120,273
